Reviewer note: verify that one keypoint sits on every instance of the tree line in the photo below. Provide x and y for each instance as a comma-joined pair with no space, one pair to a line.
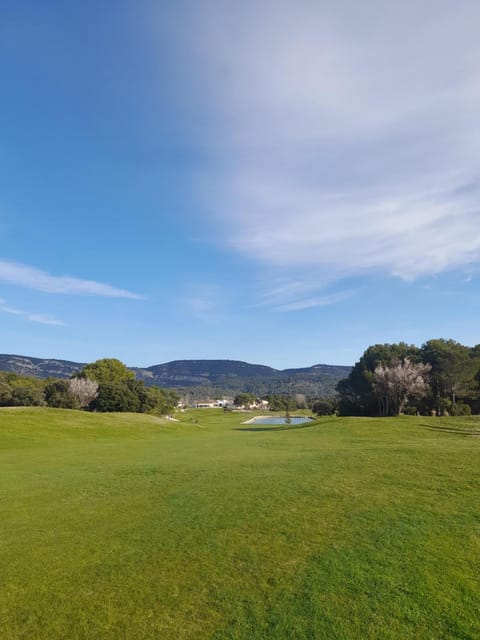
105,385
276,401
442,377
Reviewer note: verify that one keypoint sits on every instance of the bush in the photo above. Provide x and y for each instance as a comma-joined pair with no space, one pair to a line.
58,395
325,406
27,397
5,394
460,409
18,391
117,397
160,401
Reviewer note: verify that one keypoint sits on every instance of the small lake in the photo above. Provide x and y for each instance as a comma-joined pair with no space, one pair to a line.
278,420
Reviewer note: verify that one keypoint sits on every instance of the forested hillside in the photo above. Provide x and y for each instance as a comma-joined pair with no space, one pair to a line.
211,377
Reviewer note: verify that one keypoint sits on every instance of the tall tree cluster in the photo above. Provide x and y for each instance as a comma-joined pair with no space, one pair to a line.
442,377
117,389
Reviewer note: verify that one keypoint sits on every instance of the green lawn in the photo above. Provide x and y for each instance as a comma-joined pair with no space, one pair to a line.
129,527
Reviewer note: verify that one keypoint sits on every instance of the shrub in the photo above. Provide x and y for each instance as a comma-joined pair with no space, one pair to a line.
325,406
460,409
58,395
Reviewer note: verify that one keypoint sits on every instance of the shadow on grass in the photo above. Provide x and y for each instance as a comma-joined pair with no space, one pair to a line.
460,432
287,427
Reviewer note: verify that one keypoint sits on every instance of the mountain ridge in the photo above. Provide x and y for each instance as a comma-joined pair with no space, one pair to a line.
215,374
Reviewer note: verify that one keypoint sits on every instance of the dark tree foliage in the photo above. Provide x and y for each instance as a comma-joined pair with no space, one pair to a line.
107,371
452,376
57,394
244,399
118,390
356,393
5,393
18,391
27,396
161,401
134,396
117,397
281,402
325,406
452,380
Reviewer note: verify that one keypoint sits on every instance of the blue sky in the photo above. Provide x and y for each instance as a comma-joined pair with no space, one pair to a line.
278,182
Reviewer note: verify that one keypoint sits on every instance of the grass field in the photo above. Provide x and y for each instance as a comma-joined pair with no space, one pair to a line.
132,527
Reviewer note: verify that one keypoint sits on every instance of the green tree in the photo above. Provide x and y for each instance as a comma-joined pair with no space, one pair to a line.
26,391
244,399
117,397
27,396
161,401
356,392
325,406
17,390
281,402
453,370
107,371
5,392
58,395
134,396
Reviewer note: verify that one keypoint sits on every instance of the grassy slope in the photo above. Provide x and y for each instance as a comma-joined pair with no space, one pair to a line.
131,527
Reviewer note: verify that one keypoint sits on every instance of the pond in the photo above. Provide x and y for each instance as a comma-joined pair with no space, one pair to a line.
278,420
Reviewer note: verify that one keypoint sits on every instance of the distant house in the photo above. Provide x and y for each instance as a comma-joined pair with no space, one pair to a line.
213,404
258,404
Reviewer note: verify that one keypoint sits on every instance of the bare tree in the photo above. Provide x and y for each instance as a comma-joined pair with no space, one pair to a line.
84,390
396,384
301,401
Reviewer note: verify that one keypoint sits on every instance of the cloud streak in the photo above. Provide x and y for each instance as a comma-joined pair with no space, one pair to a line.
315,301
297,295
33,317
26,276
347,134
203,301
44,319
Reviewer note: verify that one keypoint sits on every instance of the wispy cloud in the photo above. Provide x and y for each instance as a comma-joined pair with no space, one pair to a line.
316,301
44,319
26,276
347,134
297,295
33,317
203,301
281,290
11,310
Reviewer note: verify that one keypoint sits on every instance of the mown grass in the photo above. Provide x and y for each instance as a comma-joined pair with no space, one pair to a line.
128,526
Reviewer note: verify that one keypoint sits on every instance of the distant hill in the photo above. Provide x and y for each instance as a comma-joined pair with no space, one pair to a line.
207,376
187,373
39,367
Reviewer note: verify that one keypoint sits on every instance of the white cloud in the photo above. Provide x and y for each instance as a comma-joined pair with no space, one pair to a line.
296,295
199,305
44,319
203,301
32,278
346,134
316,301
11,310
33,317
